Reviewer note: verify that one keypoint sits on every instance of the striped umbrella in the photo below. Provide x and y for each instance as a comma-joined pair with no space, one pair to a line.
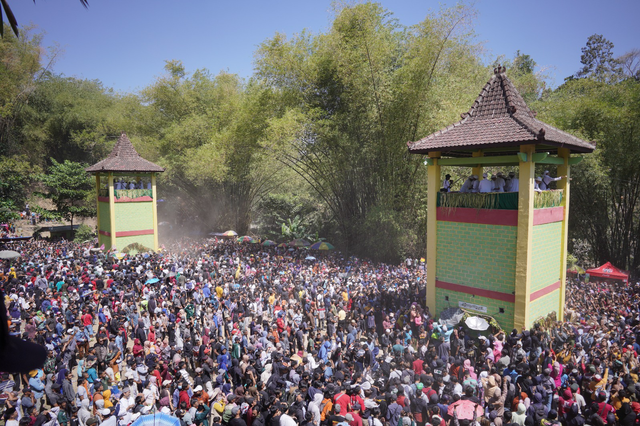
230,234
299,242
321,245
269,243
157,419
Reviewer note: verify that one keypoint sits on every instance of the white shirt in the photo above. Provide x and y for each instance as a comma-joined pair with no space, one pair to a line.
467,186
498,185
286,420
537,186
548,179
514,185
485,186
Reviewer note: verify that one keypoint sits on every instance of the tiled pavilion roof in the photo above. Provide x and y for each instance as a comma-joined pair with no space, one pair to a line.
498,118
124,158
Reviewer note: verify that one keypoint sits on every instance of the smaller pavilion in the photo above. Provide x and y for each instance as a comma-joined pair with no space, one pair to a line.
126,197
501,254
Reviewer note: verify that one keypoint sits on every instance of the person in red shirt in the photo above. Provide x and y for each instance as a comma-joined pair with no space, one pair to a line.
184,395
344,400
87,321
417,366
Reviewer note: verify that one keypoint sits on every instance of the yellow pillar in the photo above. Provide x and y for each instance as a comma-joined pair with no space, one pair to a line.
564,184
477,170
98,206
155,211
433,187
112,211
525,237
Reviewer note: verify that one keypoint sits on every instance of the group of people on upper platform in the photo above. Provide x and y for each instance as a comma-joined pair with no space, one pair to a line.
121,184
499,183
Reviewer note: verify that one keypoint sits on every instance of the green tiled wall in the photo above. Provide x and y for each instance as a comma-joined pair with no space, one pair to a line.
481,256
105,217
136,216
545,256
544,305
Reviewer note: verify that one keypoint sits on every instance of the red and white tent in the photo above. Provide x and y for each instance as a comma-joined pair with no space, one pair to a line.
609,271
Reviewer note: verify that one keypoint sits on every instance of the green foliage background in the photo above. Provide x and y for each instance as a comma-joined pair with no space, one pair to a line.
316,138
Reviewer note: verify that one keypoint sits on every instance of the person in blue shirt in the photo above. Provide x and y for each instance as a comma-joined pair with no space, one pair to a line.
37,386
223,359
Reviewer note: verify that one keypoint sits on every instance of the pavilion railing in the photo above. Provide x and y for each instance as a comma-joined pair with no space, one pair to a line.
127,193
497,200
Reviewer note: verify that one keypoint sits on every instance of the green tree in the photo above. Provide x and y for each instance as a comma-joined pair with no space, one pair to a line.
354,96
69,188
598,60
608,179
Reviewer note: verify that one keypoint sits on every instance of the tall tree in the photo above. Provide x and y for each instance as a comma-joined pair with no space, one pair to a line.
354,96
598,60
69,188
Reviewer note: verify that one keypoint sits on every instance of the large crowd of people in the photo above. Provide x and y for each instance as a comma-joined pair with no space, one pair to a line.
220,333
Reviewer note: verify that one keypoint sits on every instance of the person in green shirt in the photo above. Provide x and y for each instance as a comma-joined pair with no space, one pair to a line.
202,414
63,417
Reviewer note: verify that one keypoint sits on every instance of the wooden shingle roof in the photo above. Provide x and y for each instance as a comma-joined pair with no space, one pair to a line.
498,118
124,158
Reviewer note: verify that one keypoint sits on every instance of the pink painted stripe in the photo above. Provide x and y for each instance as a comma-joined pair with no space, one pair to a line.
479,216
549,215
489,294
544,291
128,233
133,233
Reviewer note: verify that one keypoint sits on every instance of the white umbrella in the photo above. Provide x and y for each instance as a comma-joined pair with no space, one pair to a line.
309,258
477,323
9,254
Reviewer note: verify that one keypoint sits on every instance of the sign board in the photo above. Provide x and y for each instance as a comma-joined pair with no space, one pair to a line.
473,307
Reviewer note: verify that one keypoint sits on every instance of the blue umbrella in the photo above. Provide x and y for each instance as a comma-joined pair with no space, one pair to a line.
152,281
158,419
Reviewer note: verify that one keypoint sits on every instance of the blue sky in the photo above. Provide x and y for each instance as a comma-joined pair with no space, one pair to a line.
124,43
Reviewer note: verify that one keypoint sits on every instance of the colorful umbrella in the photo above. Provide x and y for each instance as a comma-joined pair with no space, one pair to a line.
281,245
321,245
230,234
269,243
299,242
247,239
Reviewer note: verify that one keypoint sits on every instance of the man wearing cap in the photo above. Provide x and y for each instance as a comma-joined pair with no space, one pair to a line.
537,184
468,185
547,179
498,182
446,184
512,184
485,185
108,419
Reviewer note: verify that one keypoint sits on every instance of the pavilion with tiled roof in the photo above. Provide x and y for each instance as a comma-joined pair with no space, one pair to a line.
127,210
502,255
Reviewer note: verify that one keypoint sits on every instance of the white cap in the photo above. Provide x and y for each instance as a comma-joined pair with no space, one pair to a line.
198,388
539,179
105,412
546,172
